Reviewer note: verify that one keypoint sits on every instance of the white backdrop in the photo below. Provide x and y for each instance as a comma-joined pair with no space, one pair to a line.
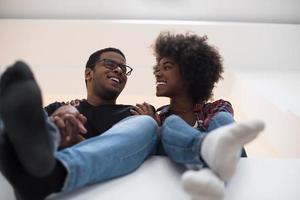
58,49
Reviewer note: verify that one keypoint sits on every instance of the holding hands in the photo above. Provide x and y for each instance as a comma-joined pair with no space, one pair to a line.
71,125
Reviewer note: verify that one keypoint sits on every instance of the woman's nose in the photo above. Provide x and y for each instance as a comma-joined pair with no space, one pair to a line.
157,73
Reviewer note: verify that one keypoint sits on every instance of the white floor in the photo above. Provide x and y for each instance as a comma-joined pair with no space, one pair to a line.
159,178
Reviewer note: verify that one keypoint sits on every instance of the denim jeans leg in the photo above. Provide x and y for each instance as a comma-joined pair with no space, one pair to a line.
1,125
182,142
220,119
53,131
117,152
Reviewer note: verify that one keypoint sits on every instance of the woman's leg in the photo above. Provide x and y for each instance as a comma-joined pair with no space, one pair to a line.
220,119
182,142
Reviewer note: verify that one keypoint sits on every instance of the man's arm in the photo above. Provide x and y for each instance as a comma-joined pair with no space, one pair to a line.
51,108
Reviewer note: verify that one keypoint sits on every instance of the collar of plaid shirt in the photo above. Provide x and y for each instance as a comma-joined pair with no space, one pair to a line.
204,112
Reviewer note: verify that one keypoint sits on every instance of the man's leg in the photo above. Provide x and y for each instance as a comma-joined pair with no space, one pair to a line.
117,152
22,114
26,139
26,186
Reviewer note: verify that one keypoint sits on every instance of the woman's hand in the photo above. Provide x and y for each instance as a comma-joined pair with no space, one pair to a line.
145,109
75,102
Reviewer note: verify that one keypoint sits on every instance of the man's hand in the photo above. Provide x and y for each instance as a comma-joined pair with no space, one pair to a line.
71,125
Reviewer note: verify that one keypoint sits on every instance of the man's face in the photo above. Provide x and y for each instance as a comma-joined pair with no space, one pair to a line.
104,82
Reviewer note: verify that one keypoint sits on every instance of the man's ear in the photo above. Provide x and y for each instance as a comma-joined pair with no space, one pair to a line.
88,74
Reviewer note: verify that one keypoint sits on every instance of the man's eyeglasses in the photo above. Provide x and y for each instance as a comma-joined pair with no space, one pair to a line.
110,64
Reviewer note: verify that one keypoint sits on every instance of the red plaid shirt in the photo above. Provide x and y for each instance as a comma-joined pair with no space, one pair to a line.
204,112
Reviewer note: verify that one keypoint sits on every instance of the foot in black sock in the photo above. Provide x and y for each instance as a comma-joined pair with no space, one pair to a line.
27,187
24,121
17,72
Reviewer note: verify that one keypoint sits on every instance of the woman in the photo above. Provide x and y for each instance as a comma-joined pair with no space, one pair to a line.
187,70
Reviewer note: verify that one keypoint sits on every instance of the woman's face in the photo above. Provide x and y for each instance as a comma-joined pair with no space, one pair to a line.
169,82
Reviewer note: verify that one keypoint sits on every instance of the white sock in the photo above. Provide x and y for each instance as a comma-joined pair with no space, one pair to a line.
222,147
203,185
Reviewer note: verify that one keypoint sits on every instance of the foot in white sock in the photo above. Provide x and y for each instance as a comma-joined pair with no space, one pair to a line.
203,185
222,147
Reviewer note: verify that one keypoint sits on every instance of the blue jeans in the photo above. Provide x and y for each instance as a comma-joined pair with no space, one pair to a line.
182,143
118,151
1,125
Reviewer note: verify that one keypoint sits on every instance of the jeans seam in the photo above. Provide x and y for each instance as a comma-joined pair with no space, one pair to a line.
177,146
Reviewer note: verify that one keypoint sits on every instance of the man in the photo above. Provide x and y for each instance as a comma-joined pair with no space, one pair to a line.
114,143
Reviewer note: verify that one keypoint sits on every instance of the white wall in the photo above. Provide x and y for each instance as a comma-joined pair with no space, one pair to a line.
58,49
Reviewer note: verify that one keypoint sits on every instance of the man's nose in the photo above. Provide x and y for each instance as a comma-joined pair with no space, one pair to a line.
118,70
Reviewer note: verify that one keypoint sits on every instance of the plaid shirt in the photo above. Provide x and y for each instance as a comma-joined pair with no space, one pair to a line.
204,112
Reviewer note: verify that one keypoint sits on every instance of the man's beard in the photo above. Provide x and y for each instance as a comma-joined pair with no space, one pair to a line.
108,95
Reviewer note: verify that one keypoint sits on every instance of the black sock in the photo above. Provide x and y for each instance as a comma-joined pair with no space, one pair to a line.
24,121
17,72
27,187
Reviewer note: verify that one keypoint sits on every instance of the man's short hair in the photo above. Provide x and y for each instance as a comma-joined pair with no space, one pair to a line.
94,57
